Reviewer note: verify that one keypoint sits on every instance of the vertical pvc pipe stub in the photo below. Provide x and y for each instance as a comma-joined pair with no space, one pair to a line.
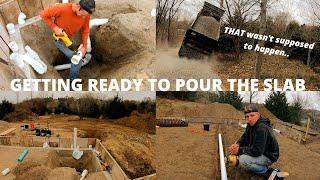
222,163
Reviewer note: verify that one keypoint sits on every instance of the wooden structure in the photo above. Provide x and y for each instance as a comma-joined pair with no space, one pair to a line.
114,173
9,12
7,132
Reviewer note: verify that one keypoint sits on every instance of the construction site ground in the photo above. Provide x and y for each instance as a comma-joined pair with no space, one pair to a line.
133,149
191,153
40,164
170,66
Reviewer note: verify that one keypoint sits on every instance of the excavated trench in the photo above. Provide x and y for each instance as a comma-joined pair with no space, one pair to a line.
120,48
58,164
64,159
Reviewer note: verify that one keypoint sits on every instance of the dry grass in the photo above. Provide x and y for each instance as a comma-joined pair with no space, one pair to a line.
142,122
275,67
181,109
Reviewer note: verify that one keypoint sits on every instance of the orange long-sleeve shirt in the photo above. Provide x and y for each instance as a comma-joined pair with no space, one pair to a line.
61,15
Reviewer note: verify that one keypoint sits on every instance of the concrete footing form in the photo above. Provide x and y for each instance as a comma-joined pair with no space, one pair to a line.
115,172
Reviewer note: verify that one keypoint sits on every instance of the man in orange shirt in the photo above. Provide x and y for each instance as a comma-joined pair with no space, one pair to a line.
70,18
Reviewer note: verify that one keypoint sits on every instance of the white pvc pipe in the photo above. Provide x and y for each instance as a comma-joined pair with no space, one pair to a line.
74,138
68,66
22,18
84,174
276,130
39,67
222,163
10,28
5,171
13,46
153,12
17,59
97,22
32,58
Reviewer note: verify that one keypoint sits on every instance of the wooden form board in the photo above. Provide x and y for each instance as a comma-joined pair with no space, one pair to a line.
36,141
7,131
30,7
4,50
149,177
116,172
3,30
10,11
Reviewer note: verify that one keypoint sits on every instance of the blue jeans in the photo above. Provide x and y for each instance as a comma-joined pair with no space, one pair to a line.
75,68
258,165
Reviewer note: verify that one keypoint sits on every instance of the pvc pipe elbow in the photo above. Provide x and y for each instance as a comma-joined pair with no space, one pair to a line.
32,58
10,28
22,18
39,67
17,59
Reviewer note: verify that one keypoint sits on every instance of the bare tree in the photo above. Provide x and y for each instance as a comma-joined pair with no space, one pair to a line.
238,13
262,30
166,12
315,5
252,95
175,6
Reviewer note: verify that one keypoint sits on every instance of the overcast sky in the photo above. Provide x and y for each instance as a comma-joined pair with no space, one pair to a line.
137,96
310,99
299,10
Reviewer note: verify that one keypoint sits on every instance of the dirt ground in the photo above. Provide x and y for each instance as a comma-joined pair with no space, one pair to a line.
275,67
133,149
38,165
185,109
177,147
169,66
186,153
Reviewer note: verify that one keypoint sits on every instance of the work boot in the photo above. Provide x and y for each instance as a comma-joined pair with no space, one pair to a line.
279,175
267,174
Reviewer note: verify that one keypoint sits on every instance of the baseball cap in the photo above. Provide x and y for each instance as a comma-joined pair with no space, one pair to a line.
250,108
88,5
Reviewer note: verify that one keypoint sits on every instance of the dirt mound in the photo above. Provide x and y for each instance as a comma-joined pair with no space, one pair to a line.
31,170
208,26
122,37
63,173
135,158
142,122
107,9
266,113
19,115
4,126
177,108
